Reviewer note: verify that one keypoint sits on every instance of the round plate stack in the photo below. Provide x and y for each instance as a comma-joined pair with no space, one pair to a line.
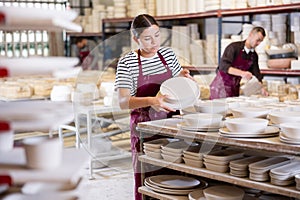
174,184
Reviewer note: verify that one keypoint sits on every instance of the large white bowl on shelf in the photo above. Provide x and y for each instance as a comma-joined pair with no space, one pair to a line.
250,112
290,130
203,120
214,107
246,125
278,117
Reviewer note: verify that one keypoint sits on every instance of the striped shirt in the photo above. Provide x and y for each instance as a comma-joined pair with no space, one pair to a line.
128,68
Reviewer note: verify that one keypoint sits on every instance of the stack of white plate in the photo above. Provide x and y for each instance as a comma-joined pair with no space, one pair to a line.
259,171
219,160
241,4
181,92
239,168
172,152
284,175
211,48
152,148
174,184
193,157
279,27
120,8
290,133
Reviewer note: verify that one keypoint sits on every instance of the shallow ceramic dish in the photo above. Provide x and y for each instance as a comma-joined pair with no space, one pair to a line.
223,192
291,130
280,63
250,112
270,131
158,142
224,155
203,120
196,195
193,163
278,117
153,154
216,168
172,159
178,146
268,164
246,125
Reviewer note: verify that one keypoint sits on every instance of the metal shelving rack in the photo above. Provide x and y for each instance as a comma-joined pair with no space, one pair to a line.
220,15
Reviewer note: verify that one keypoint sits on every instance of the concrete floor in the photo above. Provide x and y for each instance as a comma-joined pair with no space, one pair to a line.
114,182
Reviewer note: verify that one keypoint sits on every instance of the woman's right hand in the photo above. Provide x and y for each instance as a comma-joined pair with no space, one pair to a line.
246,75
158,103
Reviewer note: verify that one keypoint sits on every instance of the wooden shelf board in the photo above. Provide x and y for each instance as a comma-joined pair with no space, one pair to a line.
225,177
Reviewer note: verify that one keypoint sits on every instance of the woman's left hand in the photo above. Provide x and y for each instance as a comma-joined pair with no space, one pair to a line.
186,73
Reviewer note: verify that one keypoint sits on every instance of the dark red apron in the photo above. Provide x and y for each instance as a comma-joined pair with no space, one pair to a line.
226,85
86,59
148,85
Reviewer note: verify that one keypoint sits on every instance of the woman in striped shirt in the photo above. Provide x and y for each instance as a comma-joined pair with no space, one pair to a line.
138,79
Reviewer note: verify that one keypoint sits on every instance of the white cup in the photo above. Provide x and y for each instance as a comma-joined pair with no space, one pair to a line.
43,152
6,136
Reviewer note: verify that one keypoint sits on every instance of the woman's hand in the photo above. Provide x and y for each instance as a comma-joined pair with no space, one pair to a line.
246,75
158,103
186,73
264,92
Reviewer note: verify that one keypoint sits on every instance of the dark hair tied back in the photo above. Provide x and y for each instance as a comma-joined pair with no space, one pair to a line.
141,22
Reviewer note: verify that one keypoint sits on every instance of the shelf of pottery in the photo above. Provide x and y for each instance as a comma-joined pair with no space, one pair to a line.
25,107
231,151
207,58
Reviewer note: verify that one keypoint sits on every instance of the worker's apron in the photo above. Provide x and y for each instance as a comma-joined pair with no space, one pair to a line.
226,85
147,86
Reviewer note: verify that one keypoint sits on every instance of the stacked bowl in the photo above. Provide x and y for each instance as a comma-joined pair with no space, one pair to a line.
193,157
172,152
256,112
278,117
290,132
152,148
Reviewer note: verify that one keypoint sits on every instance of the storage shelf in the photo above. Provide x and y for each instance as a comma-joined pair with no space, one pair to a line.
281,72
225,177
218,13
83,34
272,144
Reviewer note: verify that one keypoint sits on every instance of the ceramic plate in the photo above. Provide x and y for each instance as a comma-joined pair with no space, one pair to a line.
288,140
186,127
196,195
270,131
174,181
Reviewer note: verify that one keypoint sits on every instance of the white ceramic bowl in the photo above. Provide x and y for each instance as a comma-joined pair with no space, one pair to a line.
246,125
278,117
203,120
223,192
250,112
213,107
291,129
43,152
